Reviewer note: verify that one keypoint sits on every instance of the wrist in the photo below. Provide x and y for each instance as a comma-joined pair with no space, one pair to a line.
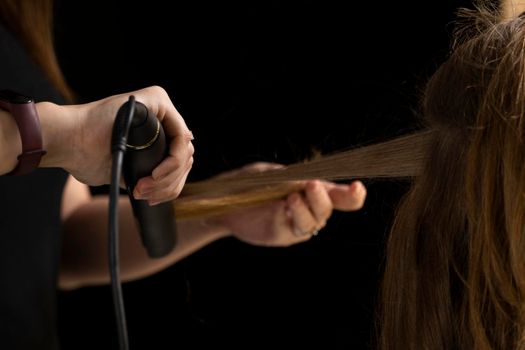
58,126
23,111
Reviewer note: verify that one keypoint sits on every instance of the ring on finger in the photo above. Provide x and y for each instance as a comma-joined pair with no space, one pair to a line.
300,233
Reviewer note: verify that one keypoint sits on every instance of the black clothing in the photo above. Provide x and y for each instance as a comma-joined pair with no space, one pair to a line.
29,225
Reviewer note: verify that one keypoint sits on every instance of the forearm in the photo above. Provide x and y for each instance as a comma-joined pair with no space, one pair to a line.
84,258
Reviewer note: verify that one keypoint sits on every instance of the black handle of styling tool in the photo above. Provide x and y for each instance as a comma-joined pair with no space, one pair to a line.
146,148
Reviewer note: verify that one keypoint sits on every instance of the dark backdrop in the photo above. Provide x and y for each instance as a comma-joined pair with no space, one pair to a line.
258,80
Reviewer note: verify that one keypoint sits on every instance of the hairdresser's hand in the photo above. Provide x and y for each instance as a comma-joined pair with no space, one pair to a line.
90,159
296,218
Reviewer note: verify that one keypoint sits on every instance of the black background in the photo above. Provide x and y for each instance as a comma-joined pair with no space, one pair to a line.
258,80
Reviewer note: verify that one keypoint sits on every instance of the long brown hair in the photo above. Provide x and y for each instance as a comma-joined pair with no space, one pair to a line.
455,267
32,22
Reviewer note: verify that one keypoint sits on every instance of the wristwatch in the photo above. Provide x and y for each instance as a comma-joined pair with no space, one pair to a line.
22,109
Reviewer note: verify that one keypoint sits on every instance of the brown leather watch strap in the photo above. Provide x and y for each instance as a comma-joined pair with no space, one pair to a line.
26,117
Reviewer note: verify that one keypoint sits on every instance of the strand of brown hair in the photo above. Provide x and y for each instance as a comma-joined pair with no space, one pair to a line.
402,157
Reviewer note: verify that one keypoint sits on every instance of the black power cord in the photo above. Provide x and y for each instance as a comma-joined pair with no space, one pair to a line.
118,148
138,145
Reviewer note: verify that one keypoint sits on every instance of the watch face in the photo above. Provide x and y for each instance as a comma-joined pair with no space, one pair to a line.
14,97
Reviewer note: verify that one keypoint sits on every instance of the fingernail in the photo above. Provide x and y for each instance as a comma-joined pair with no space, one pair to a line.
315,184
142,194
152,203
145,189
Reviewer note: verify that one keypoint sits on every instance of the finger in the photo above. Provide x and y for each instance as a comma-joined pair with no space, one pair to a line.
284,234
144,187
170,193
166,172
347,197
168,188
180,154
319,202
148,184
304,223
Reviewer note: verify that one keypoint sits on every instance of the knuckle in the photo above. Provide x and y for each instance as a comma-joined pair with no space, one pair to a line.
156,89
176,189
190,162
177,160
326,213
